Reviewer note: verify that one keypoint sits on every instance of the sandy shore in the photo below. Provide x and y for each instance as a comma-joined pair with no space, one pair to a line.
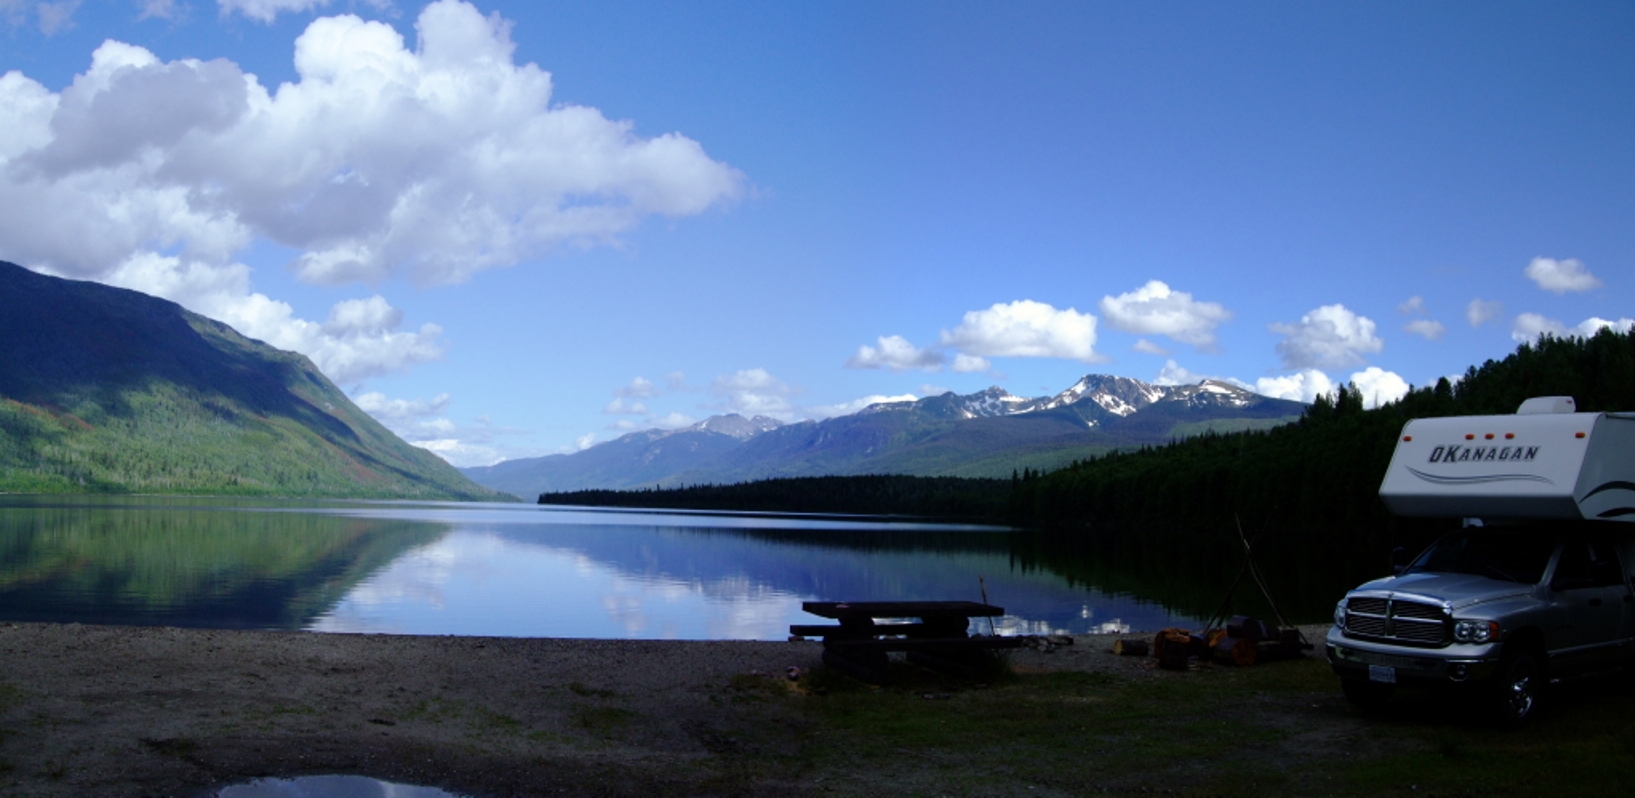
118,711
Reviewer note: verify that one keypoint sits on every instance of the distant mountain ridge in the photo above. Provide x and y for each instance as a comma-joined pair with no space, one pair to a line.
989,433
108,390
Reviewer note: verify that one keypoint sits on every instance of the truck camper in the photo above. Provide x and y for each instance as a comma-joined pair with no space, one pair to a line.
1537,585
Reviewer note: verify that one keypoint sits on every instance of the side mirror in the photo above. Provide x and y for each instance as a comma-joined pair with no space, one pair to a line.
1399,560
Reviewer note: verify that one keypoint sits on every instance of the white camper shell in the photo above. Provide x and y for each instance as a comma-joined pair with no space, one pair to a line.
1544,462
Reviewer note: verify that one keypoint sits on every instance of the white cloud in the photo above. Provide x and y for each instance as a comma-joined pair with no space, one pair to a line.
755,392
620,407
267,10
359,340
159,9
639,388
1480,312
383,409
380,160
847,408
672,421
1414,304
1379,387
968,364
1561,276
897,354
1303,386
422,422
1330,336
1429,329
56,17
1529,327
1024,329
1147,347
584,442
1154,309
1175,374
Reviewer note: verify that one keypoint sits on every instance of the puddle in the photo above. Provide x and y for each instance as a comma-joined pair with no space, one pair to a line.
330,787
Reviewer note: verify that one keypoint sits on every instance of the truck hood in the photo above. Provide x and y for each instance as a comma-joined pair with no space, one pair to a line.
1459,590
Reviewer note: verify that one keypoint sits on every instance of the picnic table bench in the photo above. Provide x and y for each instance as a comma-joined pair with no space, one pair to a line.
937,639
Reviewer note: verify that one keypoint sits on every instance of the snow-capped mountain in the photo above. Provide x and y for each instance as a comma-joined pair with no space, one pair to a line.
987,433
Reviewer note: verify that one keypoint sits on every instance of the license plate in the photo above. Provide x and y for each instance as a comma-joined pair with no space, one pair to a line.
1381,673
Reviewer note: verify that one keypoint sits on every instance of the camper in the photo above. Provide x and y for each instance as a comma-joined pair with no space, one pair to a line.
1536,586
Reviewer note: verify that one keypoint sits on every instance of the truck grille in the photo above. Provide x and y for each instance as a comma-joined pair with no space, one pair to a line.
1413,622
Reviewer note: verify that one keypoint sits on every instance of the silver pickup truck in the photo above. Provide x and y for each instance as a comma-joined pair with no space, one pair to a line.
1536,587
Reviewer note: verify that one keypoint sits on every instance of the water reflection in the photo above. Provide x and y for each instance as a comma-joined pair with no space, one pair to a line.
508,570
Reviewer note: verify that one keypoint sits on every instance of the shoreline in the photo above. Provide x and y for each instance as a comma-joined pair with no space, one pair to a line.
123,710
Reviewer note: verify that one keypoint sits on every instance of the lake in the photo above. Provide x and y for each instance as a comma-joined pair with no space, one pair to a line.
511,569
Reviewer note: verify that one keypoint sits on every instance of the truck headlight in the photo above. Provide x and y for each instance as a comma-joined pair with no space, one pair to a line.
1475,631
1339,614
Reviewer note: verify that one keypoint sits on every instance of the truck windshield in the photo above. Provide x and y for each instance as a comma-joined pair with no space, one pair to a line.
1497,554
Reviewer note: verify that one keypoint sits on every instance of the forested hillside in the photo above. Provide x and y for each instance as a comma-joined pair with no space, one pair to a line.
1308,490
105,390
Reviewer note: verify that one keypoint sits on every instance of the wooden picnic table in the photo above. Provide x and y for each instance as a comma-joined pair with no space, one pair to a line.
936,638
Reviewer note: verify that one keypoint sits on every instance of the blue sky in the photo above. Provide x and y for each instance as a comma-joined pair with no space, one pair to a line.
512,229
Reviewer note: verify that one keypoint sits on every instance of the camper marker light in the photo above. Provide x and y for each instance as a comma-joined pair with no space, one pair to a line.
1578,435
1509,435
1470,436
1407,437
1488,436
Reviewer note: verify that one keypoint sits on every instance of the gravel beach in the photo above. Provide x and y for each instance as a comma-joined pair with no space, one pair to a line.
120,711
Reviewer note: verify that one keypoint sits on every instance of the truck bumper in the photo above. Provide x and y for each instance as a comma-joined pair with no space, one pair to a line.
1382,662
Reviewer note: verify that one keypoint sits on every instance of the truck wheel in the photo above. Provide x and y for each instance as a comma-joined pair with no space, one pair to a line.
1517,689
1367,696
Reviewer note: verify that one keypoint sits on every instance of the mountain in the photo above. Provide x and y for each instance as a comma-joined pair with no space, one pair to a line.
108,390
989,433
639,458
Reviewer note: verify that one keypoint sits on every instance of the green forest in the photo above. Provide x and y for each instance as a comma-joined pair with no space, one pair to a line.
886,494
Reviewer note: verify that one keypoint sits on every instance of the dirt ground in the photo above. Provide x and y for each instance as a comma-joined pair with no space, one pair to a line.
124,711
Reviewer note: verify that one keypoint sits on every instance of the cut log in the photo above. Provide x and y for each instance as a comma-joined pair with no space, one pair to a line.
1131,648
1173,647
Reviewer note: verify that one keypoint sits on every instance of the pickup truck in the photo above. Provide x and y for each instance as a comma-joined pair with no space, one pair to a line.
1537,585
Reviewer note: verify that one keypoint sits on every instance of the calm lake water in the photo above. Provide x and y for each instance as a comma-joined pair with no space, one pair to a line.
508,569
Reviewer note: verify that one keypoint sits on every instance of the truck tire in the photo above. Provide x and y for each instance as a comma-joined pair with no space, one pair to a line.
1368,697
1517,689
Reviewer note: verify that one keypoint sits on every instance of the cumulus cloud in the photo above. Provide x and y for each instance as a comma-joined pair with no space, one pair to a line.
1147,347
268,10
1529,327
1330,336
360,339
1561,276
1303,386
755,392
1429,329
896,353
1155,309
423,423
1480,312
639,388
847,408
435,162
968,364
1025,329
620,407
1175,374
384,409
1379,387
1412,305
159,9
1376,385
